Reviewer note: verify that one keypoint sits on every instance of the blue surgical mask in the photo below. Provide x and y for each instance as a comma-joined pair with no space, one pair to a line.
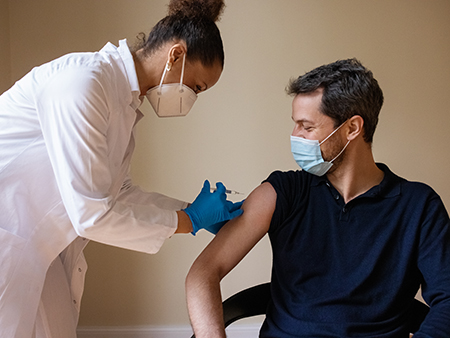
308,155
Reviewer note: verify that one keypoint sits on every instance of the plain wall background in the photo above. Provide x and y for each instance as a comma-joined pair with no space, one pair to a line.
5,52
238,132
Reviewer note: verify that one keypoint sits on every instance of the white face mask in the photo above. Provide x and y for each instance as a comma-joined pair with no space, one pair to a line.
171,99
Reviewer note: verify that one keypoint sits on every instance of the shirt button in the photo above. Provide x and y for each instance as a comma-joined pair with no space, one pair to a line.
344,210
336,197
74,301
79,270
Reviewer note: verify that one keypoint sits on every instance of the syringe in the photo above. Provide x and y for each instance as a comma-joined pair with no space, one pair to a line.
230,192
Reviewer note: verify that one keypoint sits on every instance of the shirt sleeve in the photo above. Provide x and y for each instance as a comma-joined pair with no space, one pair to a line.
289,187
73,111
434,264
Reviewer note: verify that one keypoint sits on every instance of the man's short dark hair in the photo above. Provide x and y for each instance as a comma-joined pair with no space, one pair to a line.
349,89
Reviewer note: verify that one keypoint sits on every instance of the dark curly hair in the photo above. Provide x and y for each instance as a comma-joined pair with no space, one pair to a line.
192,21
349,89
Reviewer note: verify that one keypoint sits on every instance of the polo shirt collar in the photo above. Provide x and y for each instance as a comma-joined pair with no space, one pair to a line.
388,187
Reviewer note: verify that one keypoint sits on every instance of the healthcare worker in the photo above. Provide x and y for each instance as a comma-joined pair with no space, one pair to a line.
66,140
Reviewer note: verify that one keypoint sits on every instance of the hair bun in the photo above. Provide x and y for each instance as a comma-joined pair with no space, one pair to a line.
211,9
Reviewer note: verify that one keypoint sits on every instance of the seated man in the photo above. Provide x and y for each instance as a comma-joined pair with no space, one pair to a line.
352,242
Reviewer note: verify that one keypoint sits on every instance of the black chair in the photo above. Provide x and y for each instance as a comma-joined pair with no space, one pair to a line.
254,300
246,303
417,314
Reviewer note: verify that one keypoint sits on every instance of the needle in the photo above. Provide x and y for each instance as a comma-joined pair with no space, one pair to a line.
230,192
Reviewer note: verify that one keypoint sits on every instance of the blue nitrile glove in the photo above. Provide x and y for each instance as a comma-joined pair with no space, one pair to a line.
232,207
211,210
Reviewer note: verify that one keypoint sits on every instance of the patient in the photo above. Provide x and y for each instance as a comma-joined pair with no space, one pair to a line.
352,242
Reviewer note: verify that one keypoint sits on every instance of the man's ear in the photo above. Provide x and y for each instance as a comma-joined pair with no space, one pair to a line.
355,127
176,52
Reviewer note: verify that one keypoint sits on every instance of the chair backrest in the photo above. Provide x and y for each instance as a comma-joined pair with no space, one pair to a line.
254,300
246,303
417,314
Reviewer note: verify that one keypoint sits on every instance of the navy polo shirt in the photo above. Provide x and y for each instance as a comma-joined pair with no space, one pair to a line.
352,270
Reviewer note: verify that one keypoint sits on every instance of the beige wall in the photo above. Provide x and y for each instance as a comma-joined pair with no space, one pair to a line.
5,60
238,132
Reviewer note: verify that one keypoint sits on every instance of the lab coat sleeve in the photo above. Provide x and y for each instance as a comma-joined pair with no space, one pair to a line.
74,112
132,194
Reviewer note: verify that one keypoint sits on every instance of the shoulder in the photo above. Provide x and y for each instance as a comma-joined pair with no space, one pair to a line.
421,196
102,66
291,182
412,195
80,76
292,189
287,176
409,188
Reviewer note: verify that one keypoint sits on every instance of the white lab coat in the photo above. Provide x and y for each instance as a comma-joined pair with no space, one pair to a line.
66,139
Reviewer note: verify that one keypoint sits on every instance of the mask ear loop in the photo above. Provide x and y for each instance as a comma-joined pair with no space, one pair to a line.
182,73
340,152
166,68
332,133
330,136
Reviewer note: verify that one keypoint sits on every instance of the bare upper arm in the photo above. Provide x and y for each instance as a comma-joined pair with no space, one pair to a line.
241,234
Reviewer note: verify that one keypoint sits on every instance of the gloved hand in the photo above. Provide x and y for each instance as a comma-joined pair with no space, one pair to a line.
211,210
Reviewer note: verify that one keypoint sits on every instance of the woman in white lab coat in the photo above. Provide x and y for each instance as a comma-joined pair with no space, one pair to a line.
66,140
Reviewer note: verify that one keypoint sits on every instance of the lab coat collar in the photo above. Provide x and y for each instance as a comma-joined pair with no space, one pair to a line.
130,70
